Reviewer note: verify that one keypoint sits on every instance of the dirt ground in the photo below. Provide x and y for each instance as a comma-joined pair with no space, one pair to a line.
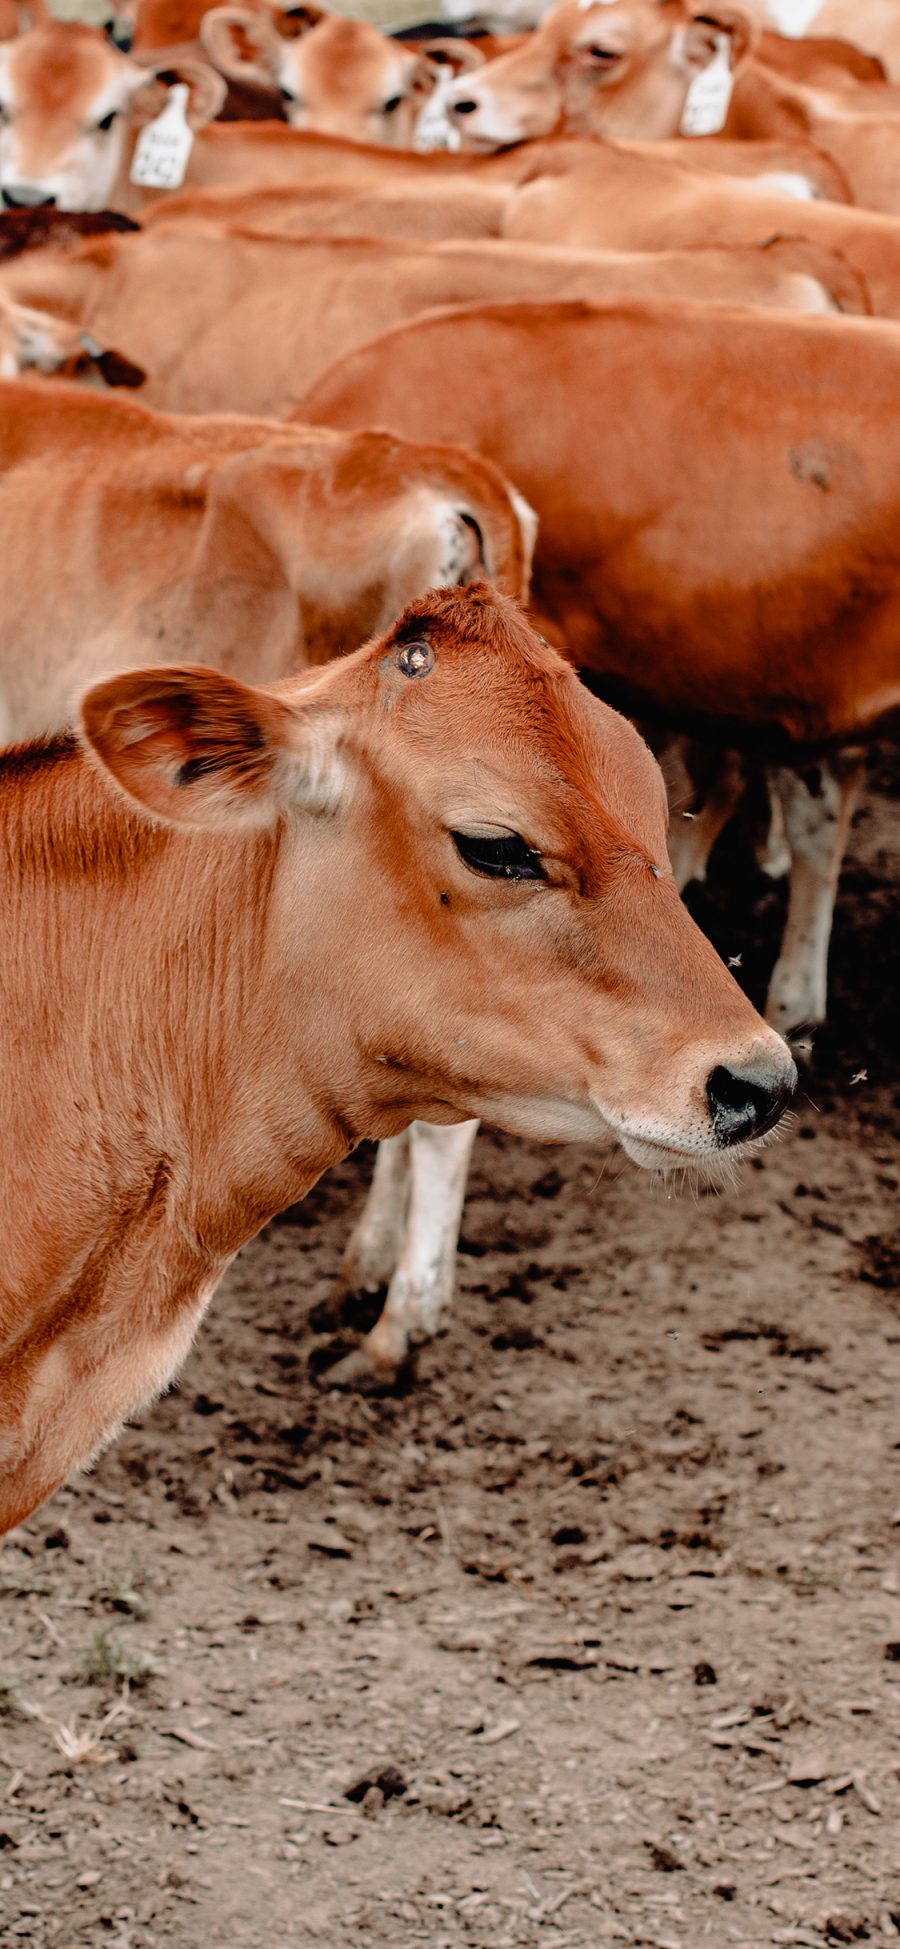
591,1636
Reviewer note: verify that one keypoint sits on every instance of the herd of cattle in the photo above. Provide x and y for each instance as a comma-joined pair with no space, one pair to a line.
599,315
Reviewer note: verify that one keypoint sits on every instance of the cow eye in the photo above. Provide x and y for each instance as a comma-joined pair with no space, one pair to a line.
506,858
605,57
106,121
392,104
287,95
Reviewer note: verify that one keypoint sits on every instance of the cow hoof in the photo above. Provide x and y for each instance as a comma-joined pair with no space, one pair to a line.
356,1374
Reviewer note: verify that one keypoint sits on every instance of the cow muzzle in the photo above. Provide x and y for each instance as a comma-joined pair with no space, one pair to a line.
746,1101
26,196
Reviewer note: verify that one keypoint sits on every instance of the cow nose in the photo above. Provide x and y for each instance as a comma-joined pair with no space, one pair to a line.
25,196
747,1100
465,107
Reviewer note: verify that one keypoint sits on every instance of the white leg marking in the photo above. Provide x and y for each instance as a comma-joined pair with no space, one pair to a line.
376,1242
774,854
421,1290
818,807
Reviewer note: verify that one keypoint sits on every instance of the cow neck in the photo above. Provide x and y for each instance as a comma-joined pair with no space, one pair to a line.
141,978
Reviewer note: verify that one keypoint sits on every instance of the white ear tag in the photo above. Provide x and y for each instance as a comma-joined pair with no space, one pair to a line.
709,95
163,147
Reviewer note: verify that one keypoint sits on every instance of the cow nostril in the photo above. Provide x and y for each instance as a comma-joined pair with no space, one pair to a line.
466,107
747,1102
22,197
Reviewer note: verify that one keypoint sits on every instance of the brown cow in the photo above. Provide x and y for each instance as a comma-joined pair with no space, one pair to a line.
179,1060
752,602
603,67
262,548
442,206
336,75
615,203
858,127
187,304
71,106
789,640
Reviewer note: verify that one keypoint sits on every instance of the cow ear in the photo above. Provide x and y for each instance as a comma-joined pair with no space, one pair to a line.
244,46
424,75
198,748
704,33
452,56
160,70
292,22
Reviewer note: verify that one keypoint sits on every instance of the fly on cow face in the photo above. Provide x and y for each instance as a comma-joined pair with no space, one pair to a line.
415,659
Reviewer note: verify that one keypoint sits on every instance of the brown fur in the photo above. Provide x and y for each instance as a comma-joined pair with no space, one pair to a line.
795,638
183,304
260,547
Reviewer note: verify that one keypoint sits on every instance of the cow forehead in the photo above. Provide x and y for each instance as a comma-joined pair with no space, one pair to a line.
634,20
65,74
349,56
491,691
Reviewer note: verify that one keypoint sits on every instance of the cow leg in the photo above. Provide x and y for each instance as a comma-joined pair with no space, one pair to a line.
692,839
774,855
376,1241
421,1290
818,806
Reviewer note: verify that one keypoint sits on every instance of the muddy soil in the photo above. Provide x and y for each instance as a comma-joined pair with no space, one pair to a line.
593,1635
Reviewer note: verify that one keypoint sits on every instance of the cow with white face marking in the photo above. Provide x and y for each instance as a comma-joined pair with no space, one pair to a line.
71,105
626,68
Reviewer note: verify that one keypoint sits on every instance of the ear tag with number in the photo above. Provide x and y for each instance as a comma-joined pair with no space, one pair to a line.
709,95
163,147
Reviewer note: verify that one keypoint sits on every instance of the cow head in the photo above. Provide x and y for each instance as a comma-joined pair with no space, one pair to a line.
69,101
36,341
598,67
477,849
337,76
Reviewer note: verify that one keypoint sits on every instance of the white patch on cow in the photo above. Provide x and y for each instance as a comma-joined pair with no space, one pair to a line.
793,17
458,544
312,773
785,182
811,298
584,6
499,16
84,174
376,1242
708,98
421,1289
528,527
434,129
163,148
817,813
